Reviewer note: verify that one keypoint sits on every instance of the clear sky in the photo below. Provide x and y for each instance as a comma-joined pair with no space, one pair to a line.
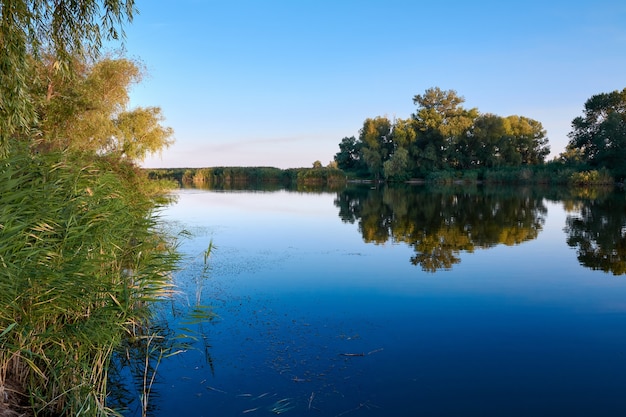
280,83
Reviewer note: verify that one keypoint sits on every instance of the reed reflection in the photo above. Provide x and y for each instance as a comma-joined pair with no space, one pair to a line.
439,224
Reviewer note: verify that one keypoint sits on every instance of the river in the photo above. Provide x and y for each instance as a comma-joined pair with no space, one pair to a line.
406,301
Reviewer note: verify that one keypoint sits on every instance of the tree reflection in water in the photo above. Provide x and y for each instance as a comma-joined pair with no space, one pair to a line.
598,232
441,223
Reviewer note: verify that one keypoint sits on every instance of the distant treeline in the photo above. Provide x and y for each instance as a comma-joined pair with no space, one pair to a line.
552,173
244,176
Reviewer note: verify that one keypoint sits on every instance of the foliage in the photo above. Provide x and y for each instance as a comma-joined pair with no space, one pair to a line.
87,111
593,177
350,157
440,136
66,28
396,167
81,253
550,173
81,263
320,176
599,137
233,177
375,135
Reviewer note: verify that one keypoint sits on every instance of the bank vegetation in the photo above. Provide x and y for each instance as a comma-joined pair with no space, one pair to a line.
83,256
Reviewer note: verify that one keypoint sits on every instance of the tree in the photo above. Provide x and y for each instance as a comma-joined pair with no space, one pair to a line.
529,139
442,110
600,135
396,166
87,111
65,28
442,135
317,164
441,119
349,157
375,135
482,147
403,134
139,133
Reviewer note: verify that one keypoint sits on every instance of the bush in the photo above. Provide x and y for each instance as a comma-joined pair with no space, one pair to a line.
592,177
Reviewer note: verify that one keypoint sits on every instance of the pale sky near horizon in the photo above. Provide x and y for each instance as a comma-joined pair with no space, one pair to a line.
280,83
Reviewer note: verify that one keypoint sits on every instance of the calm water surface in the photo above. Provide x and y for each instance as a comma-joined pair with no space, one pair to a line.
399,302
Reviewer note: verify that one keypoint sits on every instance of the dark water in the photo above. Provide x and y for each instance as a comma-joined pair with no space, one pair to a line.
399,302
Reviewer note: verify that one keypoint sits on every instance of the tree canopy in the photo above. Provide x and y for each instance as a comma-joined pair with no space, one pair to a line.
598,138
88,112
66,29
442,135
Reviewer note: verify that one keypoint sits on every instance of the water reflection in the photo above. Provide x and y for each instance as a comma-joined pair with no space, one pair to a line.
307,327
441,223
598,232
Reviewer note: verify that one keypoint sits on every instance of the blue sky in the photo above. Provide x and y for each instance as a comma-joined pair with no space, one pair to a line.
280,83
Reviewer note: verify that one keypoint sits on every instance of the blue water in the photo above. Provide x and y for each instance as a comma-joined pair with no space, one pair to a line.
312,320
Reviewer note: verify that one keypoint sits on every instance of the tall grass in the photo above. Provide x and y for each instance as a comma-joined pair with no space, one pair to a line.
81,260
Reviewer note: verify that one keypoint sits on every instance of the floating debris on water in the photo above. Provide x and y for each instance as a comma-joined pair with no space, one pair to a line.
282,406
210,388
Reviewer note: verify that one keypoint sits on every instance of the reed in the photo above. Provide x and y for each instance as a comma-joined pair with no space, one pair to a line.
81,262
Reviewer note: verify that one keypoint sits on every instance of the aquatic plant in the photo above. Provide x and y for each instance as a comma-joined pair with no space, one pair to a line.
81,262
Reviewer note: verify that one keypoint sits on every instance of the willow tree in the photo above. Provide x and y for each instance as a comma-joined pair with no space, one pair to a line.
88,111
66,29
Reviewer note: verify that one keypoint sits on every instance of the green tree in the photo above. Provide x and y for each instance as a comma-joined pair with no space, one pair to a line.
396,167
139,133
529,139
403,134
87,111
443,135
66,28
481,148
350,157
441,120
375,136
600,135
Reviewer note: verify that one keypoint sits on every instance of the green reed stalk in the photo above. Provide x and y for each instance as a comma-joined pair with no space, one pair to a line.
81,261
